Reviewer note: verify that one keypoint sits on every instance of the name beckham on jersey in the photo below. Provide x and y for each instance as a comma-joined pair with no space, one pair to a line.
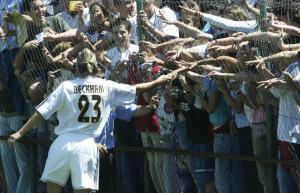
88,89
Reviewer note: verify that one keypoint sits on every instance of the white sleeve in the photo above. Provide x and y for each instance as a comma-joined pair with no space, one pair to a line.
52,103
120,94
231,25
170,30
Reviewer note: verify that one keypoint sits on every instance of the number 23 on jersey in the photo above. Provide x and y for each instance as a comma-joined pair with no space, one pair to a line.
84,104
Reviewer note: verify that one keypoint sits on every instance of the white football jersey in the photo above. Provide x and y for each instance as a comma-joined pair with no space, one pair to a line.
83,105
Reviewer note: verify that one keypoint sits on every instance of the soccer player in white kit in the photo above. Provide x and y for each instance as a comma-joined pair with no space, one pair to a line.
82,106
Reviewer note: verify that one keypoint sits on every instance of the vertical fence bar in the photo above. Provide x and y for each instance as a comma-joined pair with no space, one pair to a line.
269,121
139,6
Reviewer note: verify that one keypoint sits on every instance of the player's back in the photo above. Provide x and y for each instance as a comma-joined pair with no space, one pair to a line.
83,105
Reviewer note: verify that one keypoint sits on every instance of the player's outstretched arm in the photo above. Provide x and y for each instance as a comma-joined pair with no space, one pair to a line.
34,120
144,87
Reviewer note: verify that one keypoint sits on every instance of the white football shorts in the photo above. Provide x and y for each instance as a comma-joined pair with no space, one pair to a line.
75,155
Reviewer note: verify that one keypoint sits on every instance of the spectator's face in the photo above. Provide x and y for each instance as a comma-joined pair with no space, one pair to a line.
37,11
296,11
121,36
245,54
96,14
126,8
192,5
147,5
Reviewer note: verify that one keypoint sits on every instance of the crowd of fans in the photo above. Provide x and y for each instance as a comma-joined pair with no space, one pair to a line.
217,103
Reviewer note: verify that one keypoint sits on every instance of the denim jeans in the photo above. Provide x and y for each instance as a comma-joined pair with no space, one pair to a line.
229,174
16,158
201,169
129,165
286,182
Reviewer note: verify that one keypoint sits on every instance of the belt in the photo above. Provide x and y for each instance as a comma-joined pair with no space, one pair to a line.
261,123
222,129
12,114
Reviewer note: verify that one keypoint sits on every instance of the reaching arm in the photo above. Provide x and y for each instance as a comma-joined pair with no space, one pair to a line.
255,36
34,120
290,47
286,57
191,31
227,24
287,28
227,95
144,87
169,43
241,76
230,25
69,35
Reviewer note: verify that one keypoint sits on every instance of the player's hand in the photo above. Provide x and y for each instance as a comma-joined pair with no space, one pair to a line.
14,137
102,149
154,102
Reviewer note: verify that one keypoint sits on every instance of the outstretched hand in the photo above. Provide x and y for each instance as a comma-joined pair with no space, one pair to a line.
267,84
190,11
258,63
215,74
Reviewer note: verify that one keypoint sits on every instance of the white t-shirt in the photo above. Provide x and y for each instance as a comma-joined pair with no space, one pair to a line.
155,21
134,34
116,56
74,21
83,105
288,128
